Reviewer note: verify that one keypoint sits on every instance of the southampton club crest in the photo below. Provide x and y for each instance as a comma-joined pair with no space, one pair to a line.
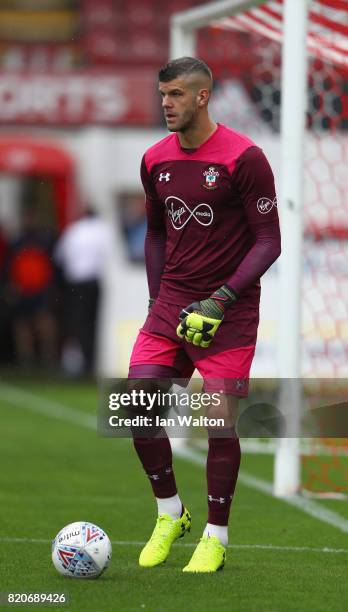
210,178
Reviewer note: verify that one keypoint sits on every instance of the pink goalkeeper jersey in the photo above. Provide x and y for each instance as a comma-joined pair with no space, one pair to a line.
212,217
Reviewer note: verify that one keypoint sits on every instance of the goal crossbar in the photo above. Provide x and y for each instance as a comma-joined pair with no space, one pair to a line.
201,16
183,25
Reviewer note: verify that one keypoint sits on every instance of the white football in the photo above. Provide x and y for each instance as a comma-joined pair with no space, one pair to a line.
81,550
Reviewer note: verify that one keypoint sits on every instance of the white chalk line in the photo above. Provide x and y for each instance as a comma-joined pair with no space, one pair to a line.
301,503
30,401
191,545
46,407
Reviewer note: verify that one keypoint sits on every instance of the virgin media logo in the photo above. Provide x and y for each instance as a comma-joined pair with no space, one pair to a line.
180,214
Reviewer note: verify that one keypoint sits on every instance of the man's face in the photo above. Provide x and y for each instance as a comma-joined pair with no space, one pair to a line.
179,103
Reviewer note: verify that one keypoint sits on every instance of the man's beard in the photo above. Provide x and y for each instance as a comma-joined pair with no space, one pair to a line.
185,124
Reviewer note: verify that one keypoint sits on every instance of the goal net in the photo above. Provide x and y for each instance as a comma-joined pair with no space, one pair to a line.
244,43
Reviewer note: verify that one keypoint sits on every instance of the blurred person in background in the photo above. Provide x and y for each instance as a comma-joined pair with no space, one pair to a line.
5,311
80,256
133,220
29,292
3,247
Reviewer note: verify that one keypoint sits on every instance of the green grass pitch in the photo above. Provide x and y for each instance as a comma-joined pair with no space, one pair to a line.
55,470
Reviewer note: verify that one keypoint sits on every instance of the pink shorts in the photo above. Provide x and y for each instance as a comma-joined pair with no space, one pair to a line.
223,366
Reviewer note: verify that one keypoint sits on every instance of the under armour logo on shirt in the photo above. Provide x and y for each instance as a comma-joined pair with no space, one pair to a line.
164,177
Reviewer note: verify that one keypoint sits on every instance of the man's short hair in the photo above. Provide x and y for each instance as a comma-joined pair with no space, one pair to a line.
183,66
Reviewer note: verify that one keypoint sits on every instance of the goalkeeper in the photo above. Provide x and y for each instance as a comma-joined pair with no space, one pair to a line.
212,232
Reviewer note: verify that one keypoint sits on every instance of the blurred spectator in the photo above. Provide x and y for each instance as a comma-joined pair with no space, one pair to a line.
29,287
3,247
80,254
5,312
133,221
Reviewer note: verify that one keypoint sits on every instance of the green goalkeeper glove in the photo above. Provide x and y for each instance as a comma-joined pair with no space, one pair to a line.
200,321
150,304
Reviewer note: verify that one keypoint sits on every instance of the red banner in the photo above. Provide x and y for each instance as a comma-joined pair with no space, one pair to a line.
78,98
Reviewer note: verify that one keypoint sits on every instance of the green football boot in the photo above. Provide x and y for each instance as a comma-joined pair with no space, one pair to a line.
166,531
209,556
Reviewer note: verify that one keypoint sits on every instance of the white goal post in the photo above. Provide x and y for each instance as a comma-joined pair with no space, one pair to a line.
184,26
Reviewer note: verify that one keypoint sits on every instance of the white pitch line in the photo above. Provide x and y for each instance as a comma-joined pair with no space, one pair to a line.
35,403
30,401
191,545
306,505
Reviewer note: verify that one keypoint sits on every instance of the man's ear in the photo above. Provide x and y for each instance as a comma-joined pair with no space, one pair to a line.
203,97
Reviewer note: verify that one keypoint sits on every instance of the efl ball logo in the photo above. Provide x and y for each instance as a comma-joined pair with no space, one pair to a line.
81,550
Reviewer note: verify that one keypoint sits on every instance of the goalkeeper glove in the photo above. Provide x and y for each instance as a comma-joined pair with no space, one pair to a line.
151,303
200,320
